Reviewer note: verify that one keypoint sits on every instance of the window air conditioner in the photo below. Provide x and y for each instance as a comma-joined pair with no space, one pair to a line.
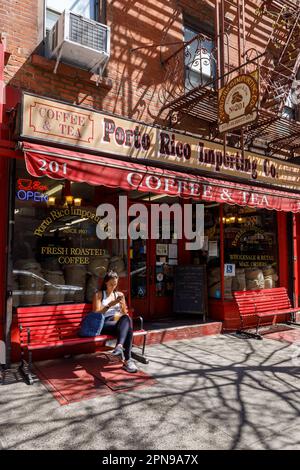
79,41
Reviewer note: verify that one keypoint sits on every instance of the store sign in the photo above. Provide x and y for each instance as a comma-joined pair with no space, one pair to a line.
26,184
238,102
51,121
58,214
34,196
29,190
229,270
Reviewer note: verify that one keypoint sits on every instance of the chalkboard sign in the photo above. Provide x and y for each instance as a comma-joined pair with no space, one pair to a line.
190,290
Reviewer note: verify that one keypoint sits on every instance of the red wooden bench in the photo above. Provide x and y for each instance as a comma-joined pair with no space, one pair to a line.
55,326
263,304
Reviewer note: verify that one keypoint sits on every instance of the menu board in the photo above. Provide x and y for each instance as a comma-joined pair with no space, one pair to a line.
190,290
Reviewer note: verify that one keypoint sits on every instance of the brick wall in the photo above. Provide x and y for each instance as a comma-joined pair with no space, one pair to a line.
133,84
134,79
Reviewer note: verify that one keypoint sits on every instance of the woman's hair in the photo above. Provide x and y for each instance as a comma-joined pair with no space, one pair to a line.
108,276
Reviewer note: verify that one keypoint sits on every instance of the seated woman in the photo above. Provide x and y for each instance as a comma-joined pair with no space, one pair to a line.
117,322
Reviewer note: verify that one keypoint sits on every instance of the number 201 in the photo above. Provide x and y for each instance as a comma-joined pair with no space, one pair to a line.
53,166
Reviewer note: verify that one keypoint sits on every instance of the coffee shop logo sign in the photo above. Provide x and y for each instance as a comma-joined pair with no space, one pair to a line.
71,125
58,214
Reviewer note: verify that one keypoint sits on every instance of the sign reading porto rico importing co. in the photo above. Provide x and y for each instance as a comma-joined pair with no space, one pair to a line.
238,102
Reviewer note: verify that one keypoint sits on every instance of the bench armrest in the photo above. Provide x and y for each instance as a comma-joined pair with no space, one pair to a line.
141,320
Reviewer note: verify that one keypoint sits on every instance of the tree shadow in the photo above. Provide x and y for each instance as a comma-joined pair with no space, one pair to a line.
210,393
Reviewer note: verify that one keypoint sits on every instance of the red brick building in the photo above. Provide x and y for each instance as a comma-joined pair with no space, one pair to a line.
159,68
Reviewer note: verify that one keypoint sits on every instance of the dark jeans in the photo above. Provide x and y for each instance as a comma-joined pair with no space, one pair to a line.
123,331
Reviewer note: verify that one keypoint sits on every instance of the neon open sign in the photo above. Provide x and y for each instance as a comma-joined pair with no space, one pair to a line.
30,190
35,196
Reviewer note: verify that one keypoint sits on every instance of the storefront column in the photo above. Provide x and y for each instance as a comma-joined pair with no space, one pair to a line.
4,172
283,271
2,51
295,263
222,253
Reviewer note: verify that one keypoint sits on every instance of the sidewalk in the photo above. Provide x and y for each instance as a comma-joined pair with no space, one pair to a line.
214,392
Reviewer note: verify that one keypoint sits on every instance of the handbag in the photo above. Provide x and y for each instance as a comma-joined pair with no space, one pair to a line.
91,324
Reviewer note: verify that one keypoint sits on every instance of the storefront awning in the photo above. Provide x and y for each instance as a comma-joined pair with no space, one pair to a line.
114,173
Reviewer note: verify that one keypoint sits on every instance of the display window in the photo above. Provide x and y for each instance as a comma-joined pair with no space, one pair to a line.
250,249
57,256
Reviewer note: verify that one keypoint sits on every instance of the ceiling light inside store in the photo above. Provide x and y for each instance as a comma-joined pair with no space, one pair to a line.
51,201
54,190
154,197
68,224
208,206
77,201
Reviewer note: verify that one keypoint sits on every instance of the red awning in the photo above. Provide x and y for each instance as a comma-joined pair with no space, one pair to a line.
113,173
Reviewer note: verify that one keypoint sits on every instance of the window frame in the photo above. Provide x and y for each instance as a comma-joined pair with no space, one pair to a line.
99,11
199,27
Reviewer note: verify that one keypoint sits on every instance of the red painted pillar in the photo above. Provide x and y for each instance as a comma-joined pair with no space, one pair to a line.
3,200
221,213
2,51
4,176
295,263
283,261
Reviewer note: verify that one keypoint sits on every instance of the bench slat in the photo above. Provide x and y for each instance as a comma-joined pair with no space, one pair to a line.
52,321
74,341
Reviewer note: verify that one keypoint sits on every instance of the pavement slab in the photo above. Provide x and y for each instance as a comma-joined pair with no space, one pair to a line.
216,392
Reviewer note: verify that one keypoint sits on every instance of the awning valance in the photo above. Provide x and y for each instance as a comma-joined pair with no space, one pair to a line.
115,173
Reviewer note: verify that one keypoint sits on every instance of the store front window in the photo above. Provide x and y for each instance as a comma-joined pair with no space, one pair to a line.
57,256
250,249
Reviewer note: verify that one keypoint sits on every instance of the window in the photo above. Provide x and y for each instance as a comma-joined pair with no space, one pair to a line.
250,249
289,110
57,256
200,67
54,8
291,105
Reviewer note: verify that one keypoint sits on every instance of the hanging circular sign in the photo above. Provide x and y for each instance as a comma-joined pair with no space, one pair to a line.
238,102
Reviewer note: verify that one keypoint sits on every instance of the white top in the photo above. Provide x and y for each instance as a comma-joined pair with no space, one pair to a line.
115,309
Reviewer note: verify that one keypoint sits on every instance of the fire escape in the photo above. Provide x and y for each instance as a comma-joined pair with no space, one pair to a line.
278,71
278,65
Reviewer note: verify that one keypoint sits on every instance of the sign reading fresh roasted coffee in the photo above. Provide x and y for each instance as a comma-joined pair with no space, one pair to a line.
238,101
46,120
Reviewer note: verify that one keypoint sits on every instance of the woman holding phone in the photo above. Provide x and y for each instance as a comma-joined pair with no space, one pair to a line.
117,322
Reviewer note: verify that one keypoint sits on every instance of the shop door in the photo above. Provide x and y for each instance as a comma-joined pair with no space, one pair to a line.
152,263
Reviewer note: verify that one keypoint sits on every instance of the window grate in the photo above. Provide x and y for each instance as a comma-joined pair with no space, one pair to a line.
93,35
